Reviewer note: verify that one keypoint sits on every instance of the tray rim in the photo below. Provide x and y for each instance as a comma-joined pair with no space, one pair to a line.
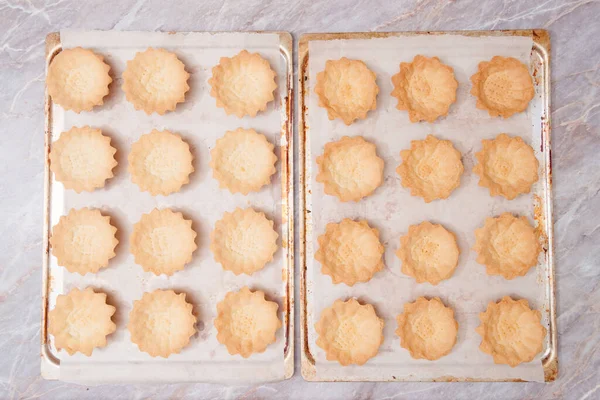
541,44
49,364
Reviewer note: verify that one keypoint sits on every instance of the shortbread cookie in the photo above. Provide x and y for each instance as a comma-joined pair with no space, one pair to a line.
243,84
507,246
161,323
243,241
425,88
82,159
507,166
243,161
350,252
246,323
83,241
350,333
78,79
155,81
431,168
428,252
427,328
81,321
160,162
347,89
350,168
162,242
502,86
511,332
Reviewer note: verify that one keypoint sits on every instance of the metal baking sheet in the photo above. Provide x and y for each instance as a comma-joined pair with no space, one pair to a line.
203,280
390,364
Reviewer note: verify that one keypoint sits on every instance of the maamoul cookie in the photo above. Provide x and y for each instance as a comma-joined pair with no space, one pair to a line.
161,323
80,321
427,328
243,161
431,168
155,81
507,246
511,332
78,79
347,89
350,252
350,333
82,159
428,252
502,86
162,242
83,241
246,323
243,241
425,88
160,162
507,166
243,84
350,168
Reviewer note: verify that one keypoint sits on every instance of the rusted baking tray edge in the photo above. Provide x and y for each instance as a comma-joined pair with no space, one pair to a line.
50,365
541,49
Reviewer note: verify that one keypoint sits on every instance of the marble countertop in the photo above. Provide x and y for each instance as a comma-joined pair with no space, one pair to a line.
574,31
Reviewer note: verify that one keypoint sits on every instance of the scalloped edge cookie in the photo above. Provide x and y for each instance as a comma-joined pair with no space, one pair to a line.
243,161
149,313
357,94
246,322
155,80
415,93
229,84
63,240
421,323
93,314
346,239
66,86
95,163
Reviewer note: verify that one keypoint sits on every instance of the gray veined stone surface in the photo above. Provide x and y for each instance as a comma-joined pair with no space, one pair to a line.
574,31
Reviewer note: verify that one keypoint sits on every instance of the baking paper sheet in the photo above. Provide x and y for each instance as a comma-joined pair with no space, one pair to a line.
200,123
391,209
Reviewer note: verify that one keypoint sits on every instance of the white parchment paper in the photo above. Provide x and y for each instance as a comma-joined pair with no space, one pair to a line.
392,209
200,123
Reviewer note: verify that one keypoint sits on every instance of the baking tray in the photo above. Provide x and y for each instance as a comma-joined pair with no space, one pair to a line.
235,369
542,207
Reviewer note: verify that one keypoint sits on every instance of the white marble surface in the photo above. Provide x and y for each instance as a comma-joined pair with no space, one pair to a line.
574,28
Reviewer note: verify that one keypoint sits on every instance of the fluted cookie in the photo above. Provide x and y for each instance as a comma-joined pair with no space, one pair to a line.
350,168
243,161
243,84
83,241
243,241
507,246
78,79
511,332
427,328
82,159
155,81
507,166
160,162
161,323
431,168
428,252
162,242
502,86
350,252
425,88
347,89
350,333
80,321
246,323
